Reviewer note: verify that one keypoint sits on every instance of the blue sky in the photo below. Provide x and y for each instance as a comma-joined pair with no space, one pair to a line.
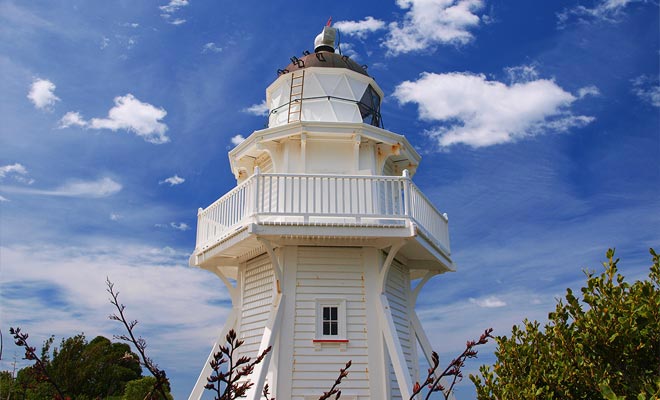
538,123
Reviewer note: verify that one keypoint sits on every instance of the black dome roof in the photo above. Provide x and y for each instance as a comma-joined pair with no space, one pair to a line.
325,59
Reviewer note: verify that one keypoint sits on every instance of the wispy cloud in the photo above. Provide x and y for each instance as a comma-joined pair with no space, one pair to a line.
172,180
179,226
115,217
2,199
171,8
260,109
478,112
648,89
60,291
99,188
211,47
429,23
129,114
488,302
601,10
236,140
360,29
17,171
590,90
42,94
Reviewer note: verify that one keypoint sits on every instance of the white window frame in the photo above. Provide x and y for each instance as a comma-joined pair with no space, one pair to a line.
340,338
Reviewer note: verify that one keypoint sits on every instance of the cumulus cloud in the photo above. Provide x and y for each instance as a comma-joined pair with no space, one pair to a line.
72,119
130,114
428,23
173,180
521,73
17,171
260,109
102,187
211,47
477,112
648,89
602,10
115,217
236,140
360,28
349,50
488,302
42,94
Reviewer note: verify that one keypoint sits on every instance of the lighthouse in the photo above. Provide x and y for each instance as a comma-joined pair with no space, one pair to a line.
325,242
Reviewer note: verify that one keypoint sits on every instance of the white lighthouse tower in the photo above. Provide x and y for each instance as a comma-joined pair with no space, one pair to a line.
325,242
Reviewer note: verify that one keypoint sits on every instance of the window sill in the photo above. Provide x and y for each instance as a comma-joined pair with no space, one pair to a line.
321,343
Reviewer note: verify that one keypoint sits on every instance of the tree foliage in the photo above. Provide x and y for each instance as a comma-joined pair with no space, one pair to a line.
142,388
79,369
606,345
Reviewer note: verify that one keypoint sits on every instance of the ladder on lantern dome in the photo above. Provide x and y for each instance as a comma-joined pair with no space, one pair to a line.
295,96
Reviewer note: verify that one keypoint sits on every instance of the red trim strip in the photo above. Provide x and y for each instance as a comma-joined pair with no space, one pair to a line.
330,340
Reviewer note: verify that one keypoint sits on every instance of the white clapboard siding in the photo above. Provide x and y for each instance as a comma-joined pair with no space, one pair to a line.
329,273
257,301
397,288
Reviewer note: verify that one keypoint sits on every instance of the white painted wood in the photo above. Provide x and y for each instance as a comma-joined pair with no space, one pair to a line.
256,305
271,329
395,350
198,389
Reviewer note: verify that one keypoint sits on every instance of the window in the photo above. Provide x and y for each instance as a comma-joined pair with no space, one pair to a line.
330,323
330,320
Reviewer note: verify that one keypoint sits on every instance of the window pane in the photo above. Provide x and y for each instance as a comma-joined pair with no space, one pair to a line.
333,328
326,328
326,313
333,313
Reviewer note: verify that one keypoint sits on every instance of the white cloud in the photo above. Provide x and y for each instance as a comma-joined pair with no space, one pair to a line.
115,217
99,188
174,5
42,94
72,119
177,21
428,23
260,109
521,73
647,89
181,226
173,180
349,50
360,28
477,112
236,140
131,114
17,171
488,302
3,199
105,41
602,10
211,47
588,91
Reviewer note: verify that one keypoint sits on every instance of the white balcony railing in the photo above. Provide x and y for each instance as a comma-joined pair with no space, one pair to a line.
312,199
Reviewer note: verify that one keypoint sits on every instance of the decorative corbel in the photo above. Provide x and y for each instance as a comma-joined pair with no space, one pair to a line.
274,261
385,268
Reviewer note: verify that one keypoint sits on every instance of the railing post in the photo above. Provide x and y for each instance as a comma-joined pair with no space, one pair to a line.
257,173
199,227
406,192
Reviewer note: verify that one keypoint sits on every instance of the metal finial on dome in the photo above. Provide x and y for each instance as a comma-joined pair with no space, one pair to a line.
325,41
